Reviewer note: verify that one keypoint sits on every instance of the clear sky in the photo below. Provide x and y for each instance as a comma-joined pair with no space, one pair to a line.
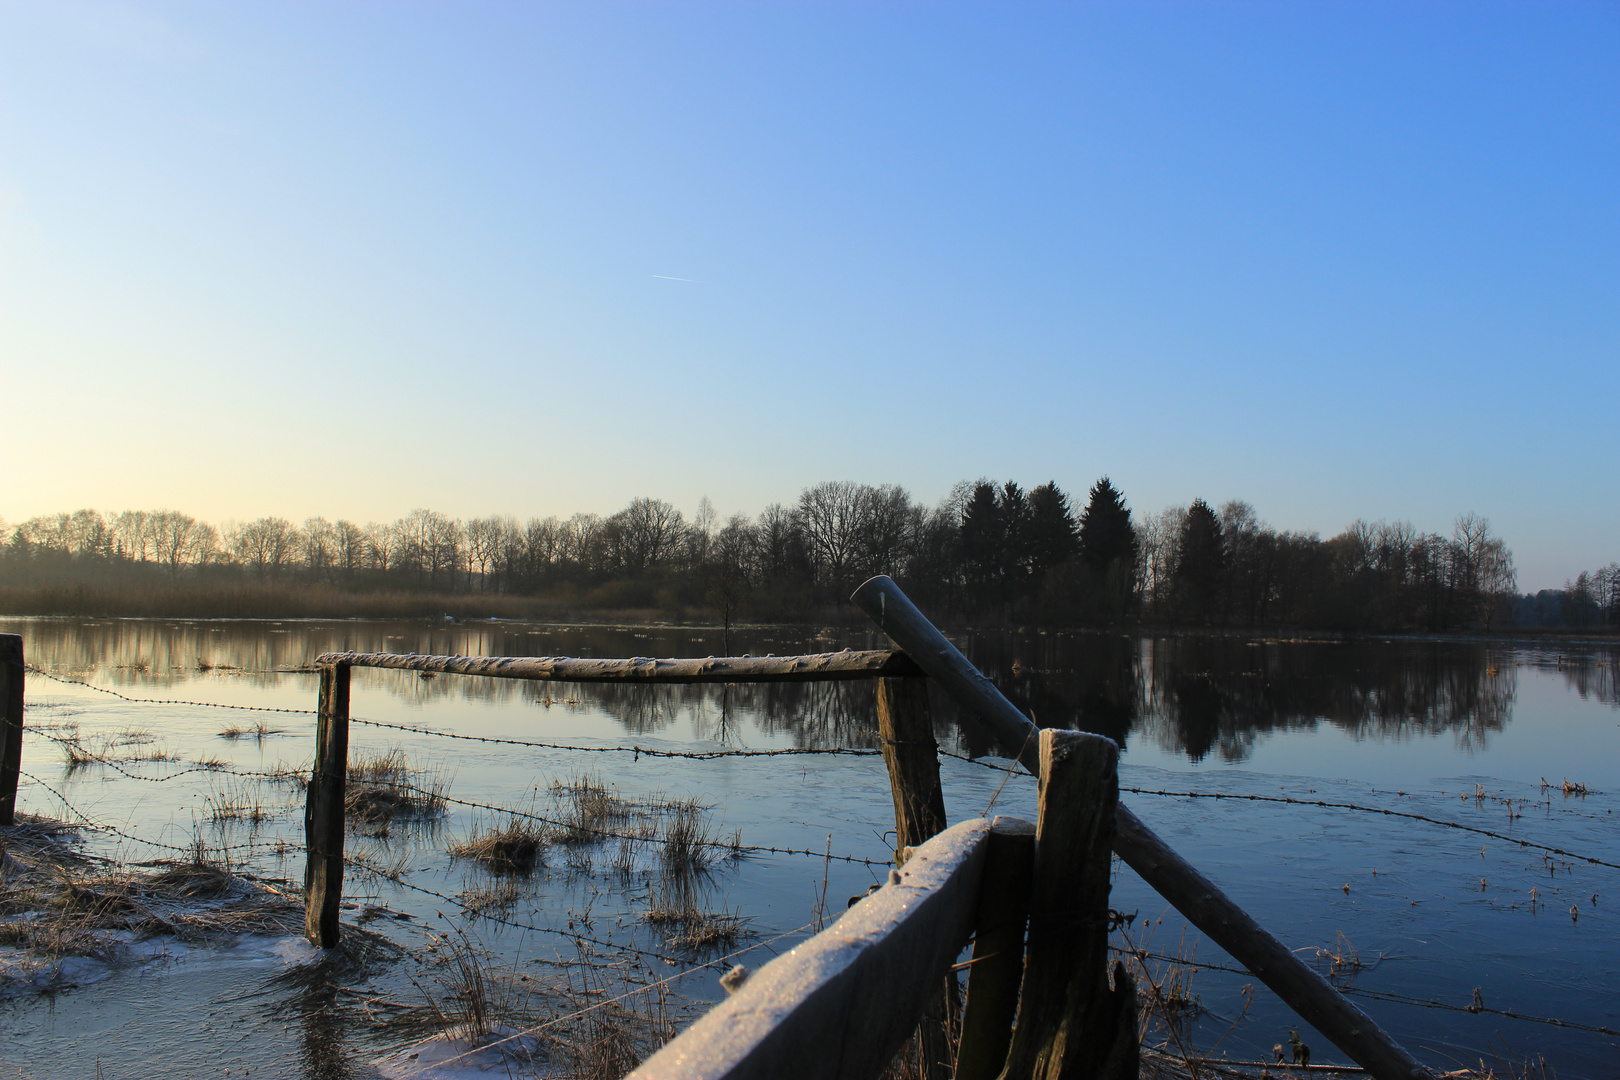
1340,260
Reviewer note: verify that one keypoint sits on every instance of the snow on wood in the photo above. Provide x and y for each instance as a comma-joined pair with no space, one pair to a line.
810,668
840,1004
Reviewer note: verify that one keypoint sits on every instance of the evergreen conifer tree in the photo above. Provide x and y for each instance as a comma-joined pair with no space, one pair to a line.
983,535
1053,538
1201,566
1106,533
1108,548
1014,568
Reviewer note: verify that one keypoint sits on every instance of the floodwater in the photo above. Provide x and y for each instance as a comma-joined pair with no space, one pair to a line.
1484,735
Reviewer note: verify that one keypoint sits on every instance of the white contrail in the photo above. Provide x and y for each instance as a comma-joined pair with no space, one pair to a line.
666,277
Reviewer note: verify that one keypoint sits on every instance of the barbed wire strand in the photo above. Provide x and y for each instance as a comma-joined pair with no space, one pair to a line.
1381,995
164,701
640,751
1374,810
1140,954
609,834
645,988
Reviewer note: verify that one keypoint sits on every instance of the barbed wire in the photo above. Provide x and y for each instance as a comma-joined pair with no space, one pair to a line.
1380,995
1374,810
90,822
742,849
478,913
165,701
639,751
1141,954
707,755
718,845
643,989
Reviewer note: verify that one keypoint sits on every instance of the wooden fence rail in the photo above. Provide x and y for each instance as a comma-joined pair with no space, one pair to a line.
815,667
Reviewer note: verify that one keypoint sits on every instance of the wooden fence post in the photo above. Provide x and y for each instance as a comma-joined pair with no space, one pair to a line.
909,750
912,755
998,950
11,724
1070,1025
323,812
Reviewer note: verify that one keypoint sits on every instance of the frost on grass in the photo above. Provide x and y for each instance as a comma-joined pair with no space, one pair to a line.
66,916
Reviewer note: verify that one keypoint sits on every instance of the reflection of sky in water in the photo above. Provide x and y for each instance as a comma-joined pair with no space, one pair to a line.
1344,722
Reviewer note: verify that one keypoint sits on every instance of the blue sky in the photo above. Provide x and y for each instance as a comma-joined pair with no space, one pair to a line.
1340,260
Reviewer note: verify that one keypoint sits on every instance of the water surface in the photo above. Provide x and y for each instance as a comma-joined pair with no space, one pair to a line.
1464,732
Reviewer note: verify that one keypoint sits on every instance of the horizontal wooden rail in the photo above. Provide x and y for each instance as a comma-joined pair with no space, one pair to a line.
1194,895
841,1004
815,667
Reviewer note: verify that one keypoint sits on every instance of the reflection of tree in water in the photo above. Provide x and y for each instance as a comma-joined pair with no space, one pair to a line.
1086,682
642,708
1592,674
1195,695
1203,696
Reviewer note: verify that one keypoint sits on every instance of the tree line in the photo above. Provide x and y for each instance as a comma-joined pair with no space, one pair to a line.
989,551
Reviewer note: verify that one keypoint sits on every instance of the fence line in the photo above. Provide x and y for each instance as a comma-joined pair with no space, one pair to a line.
1141,954
1376,810
1378,995
647,988
839,751
91,823
640,751
163,701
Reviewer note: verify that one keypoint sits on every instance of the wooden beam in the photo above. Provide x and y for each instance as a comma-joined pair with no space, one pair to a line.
12,674
839,1005
323,810
997,966
1195,896
1068,1018
816,667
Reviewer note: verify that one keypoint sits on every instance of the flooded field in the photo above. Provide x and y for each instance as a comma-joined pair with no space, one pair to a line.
599,888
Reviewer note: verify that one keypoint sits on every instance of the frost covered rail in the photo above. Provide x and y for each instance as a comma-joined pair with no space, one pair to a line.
841,1003
815,667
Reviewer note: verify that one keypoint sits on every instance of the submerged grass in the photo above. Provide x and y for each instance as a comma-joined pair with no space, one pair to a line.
384,788
518,846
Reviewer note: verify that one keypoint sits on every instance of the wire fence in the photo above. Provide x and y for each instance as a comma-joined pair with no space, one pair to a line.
400,878
639,751
1476,1007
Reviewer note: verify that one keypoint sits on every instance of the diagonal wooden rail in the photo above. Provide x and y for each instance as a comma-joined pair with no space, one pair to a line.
1193,894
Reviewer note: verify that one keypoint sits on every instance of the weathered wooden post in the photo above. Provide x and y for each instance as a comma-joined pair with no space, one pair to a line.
997,966
11,724
323,811
907,728
1070,1024
912,755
